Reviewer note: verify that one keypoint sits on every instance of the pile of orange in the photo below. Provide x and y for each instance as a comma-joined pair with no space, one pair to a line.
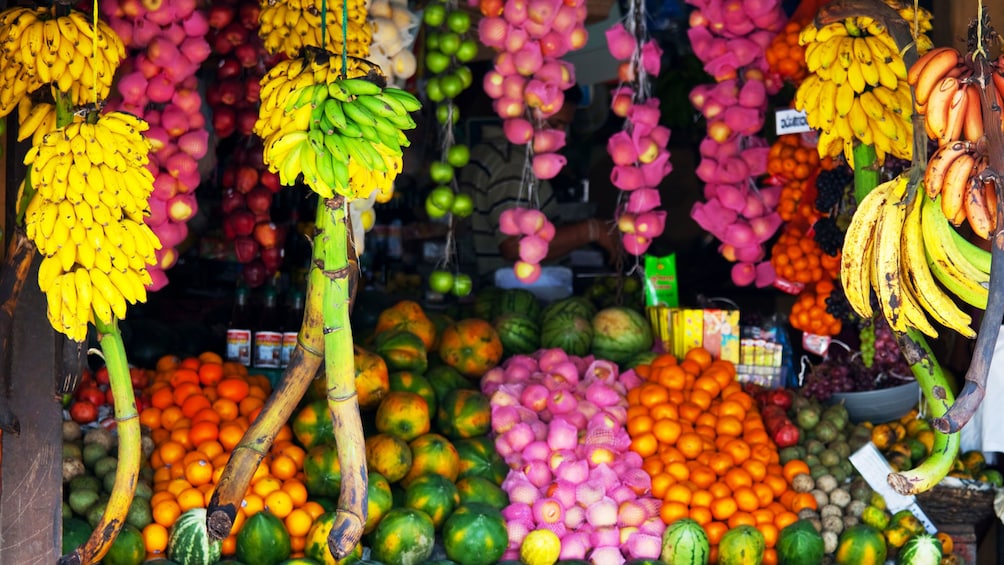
704,445
785,56
809,311
199,409
795,164
798,258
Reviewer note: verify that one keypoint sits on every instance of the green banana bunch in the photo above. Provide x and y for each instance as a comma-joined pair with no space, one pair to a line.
856,89
344,135
898,244
87,219
38,48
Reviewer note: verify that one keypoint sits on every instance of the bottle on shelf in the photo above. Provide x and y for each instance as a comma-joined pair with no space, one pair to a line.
239,332
268,334
291,327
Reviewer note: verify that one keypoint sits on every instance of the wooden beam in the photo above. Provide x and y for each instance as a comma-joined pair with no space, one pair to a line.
952,17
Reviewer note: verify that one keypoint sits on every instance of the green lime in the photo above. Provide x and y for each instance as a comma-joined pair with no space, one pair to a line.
463,205
443,113
433,90
441,281
451,85
434,14
462,284
437,61
458,21
458,156
449,43
441,173
467,51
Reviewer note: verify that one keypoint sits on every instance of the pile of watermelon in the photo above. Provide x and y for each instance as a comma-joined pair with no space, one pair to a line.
434,475
575,325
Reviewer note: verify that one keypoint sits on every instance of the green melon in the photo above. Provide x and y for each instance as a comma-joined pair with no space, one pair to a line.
518,300
684,542
577,305
433,494
742,545
405,536
567,331
263,539
861,544
127,549
189,542
620,333
482,490
475,534
520,334
445,378
464,413
800,544
478,458
410,381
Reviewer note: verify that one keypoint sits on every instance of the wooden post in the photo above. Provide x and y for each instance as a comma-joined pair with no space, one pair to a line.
31,506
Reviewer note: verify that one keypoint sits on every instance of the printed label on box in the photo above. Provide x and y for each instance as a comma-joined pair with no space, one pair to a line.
791,121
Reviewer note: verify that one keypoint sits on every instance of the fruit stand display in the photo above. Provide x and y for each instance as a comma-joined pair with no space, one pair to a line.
506,428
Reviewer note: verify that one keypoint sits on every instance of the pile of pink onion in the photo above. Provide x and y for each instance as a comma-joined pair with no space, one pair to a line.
559,424
730,37
166,44
638,151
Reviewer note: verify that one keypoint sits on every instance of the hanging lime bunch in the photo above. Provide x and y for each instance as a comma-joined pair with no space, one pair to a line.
448,47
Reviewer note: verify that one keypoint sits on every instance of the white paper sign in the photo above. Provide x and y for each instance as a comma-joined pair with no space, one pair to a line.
872,465
790,121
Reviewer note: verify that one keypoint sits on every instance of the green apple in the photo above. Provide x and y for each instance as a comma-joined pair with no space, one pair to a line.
458,21
458,155
463,205
434,91
434,15
467,51
451,85
434,212
437,61
431,40
442,197
465,75
449,43
443,113
442,281
462,284
441,173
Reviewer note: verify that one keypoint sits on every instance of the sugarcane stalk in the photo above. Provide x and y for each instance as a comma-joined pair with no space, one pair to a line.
339,364
304,362
934,384
129,452
974,389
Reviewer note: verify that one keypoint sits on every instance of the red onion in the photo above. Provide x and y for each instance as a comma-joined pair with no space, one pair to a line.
563,491
574,546
538,472
644,546
562,435
631,513
519,436
575,516
605,531
573,471
536,451
535,397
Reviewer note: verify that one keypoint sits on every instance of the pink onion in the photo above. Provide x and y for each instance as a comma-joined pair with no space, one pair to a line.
573,471
575,516
519,436
518,529
504,418
524,492
644,546
517,511
562,435
536,450
535,396
563,491
620,42
653,526
603,518
560,456
631,513
575,546
549,358
621,494
601,395
548,511
590,492
538,472
561,402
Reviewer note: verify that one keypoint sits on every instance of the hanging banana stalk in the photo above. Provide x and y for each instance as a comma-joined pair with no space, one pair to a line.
129,451
303,366
971,395
339,364
934,384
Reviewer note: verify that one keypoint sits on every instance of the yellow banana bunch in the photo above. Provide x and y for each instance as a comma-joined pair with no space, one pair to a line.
87,219
38,48
288,27
857,88
344,135
35,120
899,245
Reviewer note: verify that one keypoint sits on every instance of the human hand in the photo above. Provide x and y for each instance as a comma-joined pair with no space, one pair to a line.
607,239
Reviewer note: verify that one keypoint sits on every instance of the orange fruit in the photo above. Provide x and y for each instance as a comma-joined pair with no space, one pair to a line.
199,472
793,468
167,362
715,531
210,373
166,512
667,431
645,444
690,444
298,522
155,538
171,452
283,467
193,404
203,432
233,388
296,490
700,356
746,498
226,408
230,435
170,416
279,502
738,477
740,518
403,414
673,511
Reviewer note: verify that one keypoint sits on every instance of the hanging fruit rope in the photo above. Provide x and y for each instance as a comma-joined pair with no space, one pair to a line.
639,152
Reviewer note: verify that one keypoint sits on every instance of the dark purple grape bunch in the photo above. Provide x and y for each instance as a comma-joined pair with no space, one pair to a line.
830,187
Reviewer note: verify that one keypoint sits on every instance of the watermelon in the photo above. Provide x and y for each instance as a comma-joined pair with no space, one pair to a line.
127,549
577,305
405,536
322,471
410,381
464,413
684,542
921,549
478,458
263,539
567,331
519,333
75,533
482,490
800,544
742,545
484,305
620,333
475,534
189,542
860,544
518,300
433,494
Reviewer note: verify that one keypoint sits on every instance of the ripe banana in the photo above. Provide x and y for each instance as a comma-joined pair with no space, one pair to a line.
949,264
859,245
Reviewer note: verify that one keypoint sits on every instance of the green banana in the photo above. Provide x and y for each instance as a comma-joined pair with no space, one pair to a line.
334,113
358,114
407,99
359,86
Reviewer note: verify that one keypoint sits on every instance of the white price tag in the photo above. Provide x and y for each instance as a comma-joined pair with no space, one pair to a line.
790,121
872,465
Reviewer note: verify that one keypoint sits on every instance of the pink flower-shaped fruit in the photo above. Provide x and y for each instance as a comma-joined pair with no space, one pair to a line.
620,43
526,272
622,149
627,177
517,130
548,140
651,57
643,200
547,165
635,244
509,220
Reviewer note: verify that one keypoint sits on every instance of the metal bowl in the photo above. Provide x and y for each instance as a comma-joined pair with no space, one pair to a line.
882,405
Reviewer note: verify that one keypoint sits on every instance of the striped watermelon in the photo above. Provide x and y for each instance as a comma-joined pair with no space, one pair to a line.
567,331
578,305
742,545
189,542
518,300
921,549
519,333
620,333
685,543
